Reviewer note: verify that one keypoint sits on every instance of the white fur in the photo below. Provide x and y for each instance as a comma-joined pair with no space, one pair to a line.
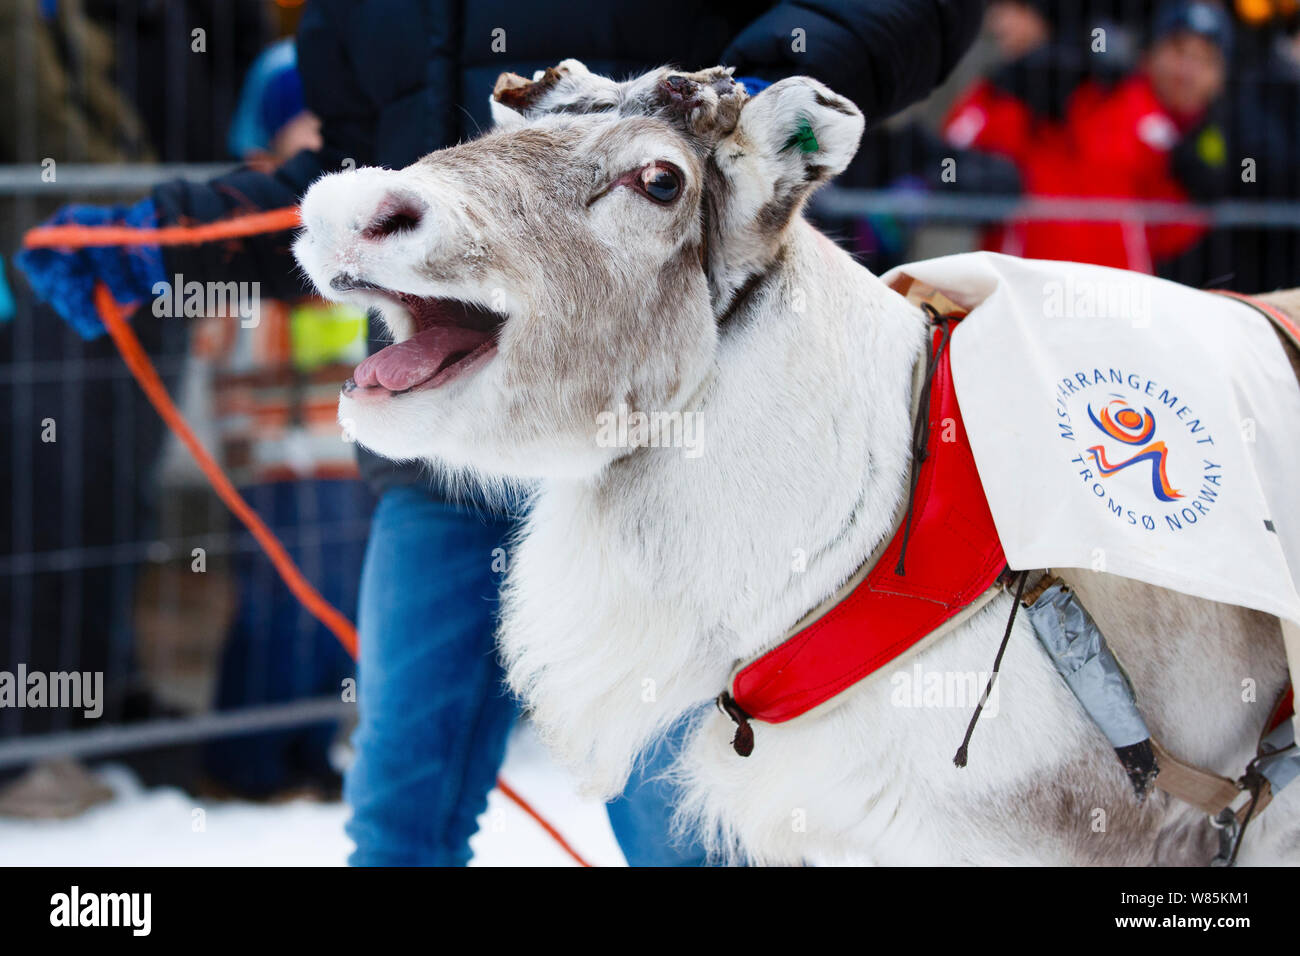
667,571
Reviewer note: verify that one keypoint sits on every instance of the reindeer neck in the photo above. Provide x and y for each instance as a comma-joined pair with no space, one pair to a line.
804,453
631,596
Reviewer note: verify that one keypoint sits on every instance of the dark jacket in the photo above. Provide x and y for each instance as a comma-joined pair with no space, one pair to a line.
393,80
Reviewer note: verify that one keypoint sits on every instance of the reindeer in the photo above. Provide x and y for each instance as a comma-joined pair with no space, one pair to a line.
642,244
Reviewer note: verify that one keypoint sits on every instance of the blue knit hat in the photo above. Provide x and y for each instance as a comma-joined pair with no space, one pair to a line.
272,96
1205,19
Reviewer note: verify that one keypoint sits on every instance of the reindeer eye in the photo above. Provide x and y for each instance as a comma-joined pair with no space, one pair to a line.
661,183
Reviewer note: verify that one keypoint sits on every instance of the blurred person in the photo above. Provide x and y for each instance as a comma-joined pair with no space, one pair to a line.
391,82
1017,27
274,394
1046,50
908,157
1187,62
1156,136
1262,110
272,123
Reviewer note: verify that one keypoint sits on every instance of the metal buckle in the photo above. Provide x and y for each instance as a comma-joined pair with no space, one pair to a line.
1229,830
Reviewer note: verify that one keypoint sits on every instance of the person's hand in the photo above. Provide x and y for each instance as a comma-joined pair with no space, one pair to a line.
65,276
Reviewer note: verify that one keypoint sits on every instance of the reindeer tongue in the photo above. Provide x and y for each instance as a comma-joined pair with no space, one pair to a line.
413,362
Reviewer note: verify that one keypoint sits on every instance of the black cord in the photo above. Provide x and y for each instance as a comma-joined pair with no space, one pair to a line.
920,428
959,758
1256,782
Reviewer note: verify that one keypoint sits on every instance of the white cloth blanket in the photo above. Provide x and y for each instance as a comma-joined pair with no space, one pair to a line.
1129,425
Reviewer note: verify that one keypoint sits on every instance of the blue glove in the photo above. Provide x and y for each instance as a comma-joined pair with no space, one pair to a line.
65,277
753,85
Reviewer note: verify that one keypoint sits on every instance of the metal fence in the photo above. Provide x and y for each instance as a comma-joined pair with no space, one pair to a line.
148,560
100,518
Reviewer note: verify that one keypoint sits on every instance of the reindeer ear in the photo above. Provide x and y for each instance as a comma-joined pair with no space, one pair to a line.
803,129
518,94
567,87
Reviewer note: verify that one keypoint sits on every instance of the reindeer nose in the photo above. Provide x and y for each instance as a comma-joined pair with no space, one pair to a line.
395,215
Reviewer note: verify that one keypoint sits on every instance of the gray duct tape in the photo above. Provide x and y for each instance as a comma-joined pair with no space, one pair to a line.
1281,768
1079,652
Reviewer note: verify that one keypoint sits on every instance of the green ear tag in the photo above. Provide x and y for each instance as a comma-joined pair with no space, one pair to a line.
803,138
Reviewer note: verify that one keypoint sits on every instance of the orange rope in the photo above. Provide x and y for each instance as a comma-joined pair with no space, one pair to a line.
79,237
523,804
115,319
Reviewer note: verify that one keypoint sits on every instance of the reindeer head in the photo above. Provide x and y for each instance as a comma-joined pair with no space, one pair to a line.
578,257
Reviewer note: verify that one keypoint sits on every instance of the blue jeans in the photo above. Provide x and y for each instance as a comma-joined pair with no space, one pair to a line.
434,712
641,817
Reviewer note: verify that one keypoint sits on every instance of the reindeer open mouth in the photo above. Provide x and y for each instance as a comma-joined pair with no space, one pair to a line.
450,338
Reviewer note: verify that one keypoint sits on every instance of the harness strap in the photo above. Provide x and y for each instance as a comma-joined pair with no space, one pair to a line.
1207,791
953,561
1215,794
1081,655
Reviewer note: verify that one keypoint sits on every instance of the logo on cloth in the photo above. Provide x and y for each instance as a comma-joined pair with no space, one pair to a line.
1121,421
1139,448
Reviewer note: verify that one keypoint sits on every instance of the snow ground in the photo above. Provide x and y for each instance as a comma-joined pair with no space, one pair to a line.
157,827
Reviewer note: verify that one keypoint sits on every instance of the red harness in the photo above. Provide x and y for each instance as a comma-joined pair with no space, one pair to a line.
953,555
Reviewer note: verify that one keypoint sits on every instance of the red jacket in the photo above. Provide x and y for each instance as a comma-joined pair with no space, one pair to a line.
1111,144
